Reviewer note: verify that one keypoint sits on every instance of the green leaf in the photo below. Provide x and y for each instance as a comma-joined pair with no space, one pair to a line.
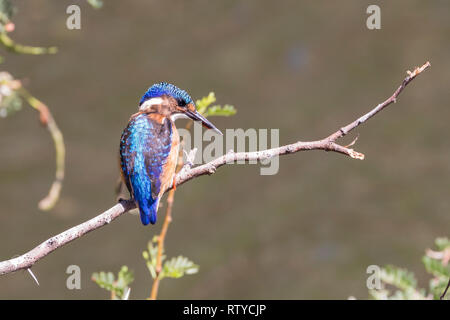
151,255
173,268
400,278
96,4
204,107
7,10
125,277
436,268
119,287
205,102
178,267
10,104
10,100
381,294
216,110
437,286
104,279
442,243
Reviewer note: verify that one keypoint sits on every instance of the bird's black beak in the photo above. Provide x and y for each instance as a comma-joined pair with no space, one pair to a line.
194,115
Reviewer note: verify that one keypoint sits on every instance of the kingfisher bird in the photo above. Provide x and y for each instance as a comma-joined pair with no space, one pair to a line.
150,143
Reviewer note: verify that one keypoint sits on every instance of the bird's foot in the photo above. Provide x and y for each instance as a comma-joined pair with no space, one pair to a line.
122,200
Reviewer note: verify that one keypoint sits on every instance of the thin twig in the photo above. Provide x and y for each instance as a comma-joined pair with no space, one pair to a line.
161,238
10,45
48,121
168,220
328,144
445,291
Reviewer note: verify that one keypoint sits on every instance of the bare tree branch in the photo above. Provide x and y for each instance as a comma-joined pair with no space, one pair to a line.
28,259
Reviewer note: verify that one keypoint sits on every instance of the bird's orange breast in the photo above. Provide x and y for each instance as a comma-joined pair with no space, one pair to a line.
169,167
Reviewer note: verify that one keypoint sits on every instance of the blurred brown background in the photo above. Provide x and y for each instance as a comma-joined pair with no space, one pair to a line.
303,67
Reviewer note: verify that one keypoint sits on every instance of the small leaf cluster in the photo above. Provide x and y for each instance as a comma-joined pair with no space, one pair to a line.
437,264
404,284
10,99
174,268
119,288
205,107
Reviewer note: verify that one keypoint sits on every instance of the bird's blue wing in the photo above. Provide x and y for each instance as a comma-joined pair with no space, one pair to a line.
144,148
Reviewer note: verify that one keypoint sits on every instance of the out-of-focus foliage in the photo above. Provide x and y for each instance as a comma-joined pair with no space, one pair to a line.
10,100
97,4
204,107
401,279
7,10
404,284
174,268
12,96
10,45
119,288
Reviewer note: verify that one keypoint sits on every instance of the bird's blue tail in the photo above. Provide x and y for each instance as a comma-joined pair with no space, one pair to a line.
142,194
147,210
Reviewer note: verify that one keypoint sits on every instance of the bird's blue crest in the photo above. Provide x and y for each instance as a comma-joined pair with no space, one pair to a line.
164,88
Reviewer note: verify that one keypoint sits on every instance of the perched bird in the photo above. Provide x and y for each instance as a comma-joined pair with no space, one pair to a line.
149,145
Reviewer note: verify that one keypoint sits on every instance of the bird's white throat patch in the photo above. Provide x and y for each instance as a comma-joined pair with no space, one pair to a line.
150,102
178,116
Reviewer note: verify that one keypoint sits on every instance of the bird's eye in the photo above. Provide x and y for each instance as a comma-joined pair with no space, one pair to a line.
181,103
